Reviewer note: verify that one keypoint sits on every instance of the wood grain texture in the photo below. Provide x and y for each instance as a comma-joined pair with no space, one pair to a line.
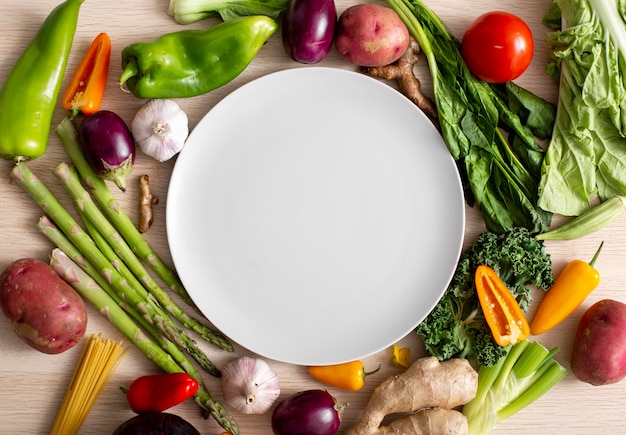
32,384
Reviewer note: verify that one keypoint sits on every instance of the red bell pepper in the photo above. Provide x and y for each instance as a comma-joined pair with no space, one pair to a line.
86,89
160,392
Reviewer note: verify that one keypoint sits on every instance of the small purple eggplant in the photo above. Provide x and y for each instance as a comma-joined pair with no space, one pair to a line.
310,412
108,146
309,29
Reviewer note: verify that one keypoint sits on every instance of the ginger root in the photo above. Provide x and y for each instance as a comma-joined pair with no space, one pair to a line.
427,383
402,71
431,421
146,201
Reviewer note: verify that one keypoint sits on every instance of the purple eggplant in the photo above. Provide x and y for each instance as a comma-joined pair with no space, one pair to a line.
310,412
108,146
309,29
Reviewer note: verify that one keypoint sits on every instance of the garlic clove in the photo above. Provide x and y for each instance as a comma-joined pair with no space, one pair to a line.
160,128
249,385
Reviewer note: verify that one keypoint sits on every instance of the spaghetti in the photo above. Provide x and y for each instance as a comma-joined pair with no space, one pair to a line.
98,360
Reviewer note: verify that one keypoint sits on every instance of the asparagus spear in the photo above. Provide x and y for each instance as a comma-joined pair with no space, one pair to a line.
48,229
122,252
93,293
103,196
53,208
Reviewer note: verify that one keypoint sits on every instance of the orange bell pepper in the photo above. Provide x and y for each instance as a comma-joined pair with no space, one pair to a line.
575,282
348,376
502,312
86,89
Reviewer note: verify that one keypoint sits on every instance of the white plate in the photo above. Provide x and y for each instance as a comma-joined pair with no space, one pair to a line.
315,216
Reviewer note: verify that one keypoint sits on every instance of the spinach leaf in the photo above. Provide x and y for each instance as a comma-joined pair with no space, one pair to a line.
490,131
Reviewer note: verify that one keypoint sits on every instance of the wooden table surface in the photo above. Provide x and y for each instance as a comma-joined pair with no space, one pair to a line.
32,384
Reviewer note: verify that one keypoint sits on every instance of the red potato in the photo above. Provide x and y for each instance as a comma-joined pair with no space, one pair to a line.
599,354
44,311
371,35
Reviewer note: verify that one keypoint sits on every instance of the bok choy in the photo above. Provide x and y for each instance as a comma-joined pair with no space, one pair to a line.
190,11
587,152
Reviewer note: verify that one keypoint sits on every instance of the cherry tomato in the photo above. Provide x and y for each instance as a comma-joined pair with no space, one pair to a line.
497,47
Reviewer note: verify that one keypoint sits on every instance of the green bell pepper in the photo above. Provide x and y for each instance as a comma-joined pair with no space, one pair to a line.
29,94
192,62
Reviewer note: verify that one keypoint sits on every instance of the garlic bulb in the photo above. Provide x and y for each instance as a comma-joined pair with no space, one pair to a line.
249,385
160,129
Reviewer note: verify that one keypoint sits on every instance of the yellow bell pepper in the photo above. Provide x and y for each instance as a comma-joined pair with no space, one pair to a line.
400,356
348,376
575,282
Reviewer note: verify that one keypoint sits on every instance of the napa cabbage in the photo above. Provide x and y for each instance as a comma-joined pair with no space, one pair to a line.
586,156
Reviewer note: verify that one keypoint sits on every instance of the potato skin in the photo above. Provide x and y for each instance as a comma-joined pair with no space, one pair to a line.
599,353
371,35
44,311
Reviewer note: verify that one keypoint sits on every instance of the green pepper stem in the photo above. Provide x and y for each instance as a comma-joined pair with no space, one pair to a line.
595,256
366,374
130,70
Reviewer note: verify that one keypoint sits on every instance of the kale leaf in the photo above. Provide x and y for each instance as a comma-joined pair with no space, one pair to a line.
456,326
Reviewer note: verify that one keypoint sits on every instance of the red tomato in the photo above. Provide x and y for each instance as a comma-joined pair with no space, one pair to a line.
497,47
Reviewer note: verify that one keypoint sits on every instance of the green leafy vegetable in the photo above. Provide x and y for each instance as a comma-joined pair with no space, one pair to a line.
490,130
526,374
456,326
190,11
587,153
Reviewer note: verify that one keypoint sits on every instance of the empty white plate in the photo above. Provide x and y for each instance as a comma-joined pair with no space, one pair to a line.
315,216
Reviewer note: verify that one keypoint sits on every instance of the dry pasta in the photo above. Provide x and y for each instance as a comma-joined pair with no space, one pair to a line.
98,360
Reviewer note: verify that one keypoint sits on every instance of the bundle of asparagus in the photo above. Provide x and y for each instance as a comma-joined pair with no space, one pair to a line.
105,261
